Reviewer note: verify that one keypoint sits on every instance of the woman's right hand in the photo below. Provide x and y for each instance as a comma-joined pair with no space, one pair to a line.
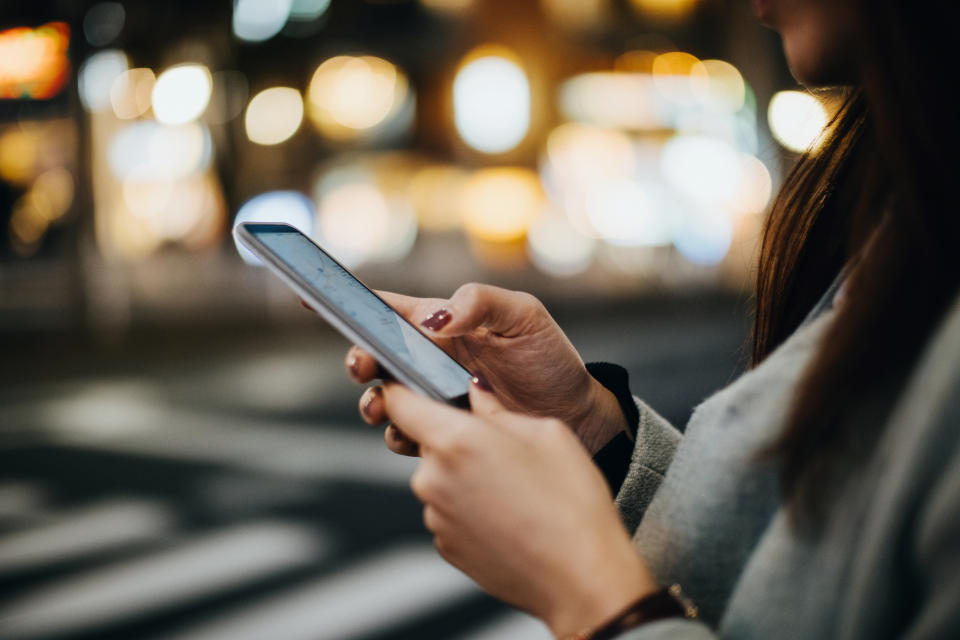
508,339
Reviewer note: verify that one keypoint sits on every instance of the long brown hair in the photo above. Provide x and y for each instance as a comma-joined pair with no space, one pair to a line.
878,199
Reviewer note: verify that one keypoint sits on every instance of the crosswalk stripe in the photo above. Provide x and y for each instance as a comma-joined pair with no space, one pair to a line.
372,595
104,525
201,566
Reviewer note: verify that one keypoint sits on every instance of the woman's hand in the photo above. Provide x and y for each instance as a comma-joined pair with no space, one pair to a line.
516,503
509,339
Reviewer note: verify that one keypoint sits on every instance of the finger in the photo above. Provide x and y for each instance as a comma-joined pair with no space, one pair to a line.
399,443
411,308
419,417
361,366
474,306
371,406
483,401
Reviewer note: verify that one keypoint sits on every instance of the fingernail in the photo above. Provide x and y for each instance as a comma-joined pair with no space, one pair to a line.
354,366
481,381
437,320
373,394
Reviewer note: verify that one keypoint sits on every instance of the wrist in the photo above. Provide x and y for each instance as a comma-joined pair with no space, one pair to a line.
601,418
596,600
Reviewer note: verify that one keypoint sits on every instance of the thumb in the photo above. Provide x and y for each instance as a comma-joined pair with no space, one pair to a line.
473,306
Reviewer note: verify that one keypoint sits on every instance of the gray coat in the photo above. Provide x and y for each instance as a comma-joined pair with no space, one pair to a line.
706,514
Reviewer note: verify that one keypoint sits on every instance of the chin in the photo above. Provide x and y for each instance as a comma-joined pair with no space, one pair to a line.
813,63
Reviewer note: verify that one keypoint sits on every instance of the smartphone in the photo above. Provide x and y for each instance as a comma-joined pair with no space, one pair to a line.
357,312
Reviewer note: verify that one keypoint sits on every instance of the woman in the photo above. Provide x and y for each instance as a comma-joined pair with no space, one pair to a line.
818,495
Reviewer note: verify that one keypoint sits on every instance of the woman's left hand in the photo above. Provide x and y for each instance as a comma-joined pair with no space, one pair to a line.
516,503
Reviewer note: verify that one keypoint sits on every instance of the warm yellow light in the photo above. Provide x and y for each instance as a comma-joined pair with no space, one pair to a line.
612,99
34,62
665,9
577,14
491,100
353,221
274,115
52,193
18,155
181,93
639,61
131,93
500,204
672,75
796,119
578,158
718,82
434,192
348,95
27,225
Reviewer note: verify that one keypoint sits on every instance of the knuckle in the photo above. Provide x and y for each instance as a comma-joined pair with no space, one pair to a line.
469,293
420,485
529,300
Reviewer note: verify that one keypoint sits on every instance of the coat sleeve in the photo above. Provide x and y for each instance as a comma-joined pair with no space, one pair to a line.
655,443
937,545
634,463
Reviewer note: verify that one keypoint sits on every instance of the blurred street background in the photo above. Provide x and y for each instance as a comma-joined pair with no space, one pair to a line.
180,454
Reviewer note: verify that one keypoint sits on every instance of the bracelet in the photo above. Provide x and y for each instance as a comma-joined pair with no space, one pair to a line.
666,603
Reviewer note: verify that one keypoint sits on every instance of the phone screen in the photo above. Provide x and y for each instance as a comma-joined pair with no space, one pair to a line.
375,317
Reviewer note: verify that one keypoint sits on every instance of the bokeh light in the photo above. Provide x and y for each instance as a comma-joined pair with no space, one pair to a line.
19,152
613,99
704,169
577,158
491,101
131,93
97,75
274,115
499,204
358,221
796,119
33,62
672,73
556,248
289,207
349,95
754,189
52,193
181,93
103,22
147,149
626,213
720,83
668,10
577,14
705,237
308,10
434,192
259,20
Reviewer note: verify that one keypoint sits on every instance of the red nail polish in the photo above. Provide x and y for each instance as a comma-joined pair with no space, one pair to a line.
481,381
437,320
354,366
